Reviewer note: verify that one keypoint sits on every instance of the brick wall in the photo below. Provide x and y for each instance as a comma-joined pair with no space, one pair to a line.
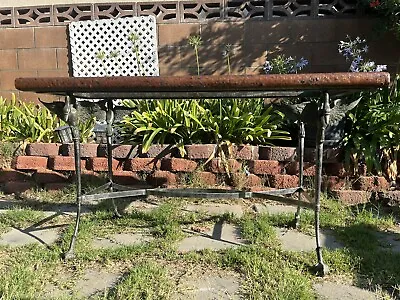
252,168
33,40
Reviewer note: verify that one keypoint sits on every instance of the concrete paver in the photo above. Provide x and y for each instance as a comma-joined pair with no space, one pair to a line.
221,236
338,291
293,240
16,237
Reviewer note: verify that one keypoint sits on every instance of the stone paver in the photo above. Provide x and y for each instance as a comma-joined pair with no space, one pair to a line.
209,288
221,236
121,239
338,291
92,282
274,209
389,241
200,282
294,240
215,209
17,237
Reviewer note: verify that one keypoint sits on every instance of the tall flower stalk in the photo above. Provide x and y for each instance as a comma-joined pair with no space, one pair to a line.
195,41
134,39
227,55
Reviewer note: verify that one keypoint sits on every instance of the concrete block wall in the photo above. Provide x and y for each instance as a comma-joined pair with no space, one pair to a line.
33,40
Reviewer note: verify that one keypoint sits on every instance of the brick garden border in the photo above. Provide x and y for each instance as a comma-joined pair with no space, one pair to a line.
51,166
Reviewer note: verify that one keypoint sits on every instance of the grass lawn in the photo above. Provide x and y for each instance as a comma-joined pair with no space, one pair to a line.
154,270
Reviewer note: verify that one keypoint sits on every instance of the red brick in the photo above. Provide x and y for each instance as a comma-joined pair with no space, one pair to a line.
142,164
42,149
242,152
49,176
200,151
162,178
159,151
283,181
127,178
13,175
277,153
293,168
17,186
119,151
206,178
100,164
335,169
87,150
216,165
89,176
253,181
7,78
371,183
391,198
30,162
330,183
178,165
64,163
352,197
265,167
55,186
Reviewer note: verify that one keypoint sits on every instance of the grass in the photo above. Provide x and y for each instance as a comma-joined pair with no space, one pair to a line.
153,270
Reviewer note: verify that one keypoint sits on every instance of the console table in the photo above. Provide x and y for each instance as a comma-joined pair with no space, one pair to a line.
322,86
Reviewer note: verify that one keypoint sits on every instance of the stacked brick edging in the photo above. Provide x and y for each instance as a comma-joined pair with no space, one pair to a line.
51,166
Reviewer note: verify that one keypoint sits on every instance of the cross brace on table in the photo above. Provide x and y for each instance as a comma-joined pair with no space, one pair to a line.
116,191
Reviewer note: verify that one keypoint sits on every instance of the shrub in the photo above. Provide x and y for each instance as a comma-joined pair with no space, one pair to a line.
183,122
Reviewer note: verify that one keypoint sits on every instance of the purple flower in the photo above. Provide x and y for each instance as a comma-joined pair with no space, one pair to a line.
354,66
302,63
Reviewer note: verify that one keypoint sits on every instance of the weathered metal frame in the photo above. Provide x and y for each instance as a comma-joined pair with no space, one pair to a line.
322,85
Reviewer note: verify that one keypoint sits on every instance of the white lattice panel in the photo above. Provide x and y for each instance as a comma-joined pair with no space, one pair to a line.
103,47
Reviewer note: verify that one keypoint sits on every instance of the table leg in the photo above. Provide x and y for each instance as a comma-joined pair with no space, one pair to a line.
110,121
300,154
72,120
323,120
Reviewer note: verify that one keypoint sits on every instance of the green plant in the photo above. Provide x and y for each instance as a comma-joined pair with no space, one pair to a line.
181,122
163,121
195,41
26,122
284,65
374,136
389,11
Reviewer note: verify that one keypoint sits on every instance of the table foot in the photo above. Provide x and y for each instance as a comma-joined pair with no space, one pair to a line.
69,255
321,269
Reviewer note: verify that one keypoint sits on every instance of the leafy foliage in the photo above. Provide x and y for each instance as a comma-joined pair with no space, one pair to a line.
27,122
374,135
183,122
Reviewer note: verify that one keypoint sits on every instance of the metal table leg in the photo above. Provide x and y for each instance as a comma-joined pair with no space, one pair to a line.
323,120
110,121
300,153
71,117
